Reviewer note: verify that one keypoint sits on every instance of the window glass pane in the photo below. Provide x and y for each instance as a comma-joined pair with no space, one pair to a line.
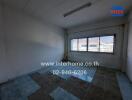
93,44
82,44
74,44
106,44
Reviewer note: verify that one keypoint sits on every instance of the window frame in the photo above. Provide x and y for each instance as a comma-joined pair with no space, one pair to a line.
88,44
114,42
78,44
71,45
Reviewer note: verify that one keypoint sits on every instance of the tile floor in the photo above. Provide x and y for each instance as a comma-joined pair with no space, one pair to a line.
18,89
125,86
103,86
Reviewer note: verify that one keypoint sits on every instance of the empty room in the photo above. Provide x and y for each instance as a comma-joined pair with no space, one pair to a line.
65,49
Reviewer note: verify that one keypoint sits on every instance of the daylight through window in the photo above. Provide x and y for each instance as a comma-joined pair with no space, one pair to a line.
94,44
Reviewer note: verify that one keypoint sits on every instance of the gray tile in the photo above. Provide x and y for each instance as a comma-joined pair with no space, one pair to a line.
26,85
18,89
61,94
64,76
88,77
125,86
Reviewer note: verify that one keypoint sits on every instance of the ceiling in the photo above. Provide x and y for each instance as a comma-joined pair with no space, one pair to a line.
53,10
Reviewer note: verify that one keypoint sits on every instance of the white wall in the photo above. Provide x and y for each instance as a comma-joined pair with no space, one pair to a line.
101,28
129,54
3,67
27,43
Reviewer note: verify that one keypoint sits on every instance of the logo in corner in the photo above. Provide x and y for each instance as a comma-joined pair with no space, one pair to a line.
118,11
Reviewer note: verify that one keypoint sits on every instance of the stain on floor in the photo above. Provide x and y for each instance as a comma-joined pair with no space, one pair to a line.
104,86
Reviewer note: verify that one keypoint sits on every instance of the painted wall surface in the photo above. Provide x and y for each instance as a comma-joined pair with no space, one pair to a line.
27,43
105,28
129,54
3,67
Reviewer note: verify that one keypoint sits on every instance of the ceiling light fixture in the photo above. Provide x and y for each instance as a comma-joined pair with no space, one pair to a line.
78,9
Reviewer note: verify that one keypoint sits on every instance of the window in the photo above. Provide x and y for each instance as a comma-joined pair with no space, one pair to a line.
82,44
93,44
74,44
106,44
79,44
103,44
